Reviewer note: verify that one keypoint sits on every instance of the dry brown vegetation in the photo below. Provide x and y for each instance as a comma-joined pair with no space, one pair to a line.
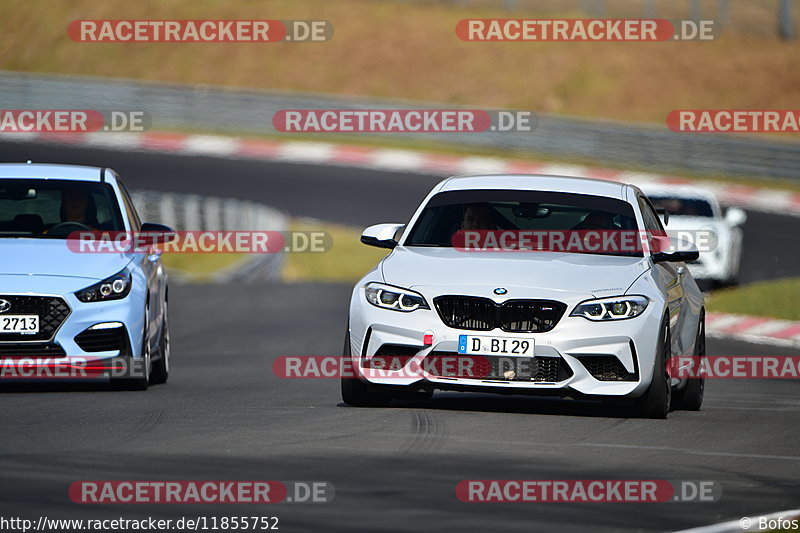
409,50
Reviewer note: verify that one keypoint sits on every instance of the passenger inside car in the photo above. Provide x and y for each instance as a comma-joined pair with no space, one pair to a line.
597,220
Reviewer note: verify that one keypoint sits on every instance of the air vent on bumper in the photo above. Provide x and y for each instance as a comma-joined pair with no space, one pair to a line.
103,338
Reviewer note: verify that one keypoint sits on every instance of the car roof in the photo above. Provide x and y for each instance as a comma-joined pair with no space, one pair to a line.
537,182
51,171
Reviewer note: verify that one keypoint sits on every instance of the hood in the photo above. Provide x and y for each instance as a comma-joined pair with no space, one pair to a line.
585,274
52,257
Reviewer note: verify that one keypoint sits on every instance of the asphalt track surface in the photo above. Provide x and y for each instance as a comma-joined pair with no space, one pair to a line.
225,415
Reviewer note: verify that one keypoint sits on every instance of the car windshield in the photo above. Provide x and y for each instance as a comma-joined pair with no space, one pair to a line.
53,209
687,207
450,212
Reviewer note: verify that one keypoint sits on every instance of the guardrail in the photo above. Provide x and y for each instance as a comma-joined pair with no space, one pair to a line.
240,111
191,212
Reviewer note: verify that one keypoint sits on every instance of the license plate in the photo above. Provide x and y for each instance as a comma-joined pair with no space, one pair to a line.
24,324
480,345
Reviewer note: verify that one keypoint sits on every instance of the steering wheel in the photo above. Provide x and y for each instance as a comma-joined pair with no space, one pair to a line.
65,228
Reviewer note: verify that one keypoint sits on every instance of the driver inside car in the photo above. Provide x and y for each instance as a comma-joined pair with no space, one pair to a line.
78,206
478,217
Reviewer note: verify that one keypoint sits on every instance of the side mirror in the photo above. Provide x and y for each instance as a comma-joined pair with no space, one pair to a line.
735,216
153,234
382,235
679,251
664,214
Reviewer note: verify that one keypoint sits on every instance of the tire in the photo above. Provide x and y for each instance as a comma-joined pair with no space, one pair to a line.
160,372
354,391
691,397
655,403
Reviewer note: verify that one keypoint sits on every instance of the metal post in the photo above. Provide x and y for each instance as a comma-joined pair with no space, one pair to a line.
785,22
723,13
694,8
595,8
601,8
650,9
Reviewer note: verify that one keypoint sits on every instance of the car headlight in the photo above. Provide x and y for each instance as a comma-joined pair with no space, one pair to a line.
394,298
114,288
615,308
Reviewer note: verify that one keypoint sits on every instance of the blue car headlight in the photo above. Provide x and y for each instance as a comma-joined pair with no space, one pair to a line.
614,308
394,298
114,288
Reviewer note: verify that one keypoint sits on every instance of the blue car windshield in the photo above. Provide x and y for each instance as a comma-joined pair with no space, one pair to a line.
53,209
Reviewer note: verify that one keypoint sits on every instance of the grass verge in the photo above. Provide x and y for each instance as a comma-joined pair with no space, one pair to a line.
776,299
199,267
347,260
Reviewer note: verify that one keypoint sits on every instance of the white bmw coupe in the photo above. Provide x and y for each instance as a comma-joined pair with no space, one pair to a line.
598,322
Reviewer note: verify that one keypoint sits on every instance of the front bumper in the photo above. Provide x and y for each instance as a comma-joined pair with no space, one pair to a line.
581,346
75,350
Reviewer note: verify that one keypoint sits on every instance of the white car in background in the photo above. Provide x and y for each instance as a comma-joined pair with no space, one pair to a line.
695,215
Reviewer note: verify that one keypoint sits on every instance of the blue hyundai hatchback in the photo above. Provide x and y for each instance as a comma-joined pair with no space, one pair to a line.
58,306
